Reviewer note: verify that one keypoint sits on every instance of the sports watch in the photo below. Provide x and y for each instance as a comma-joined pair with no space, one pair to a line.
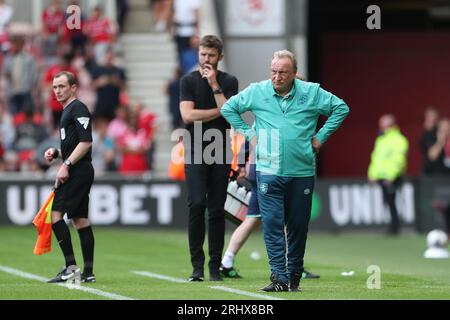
218,91
68,163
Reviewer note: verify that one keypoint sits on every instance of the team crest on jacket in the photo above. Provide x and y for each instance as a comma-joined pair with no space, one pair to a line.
302,99
263,187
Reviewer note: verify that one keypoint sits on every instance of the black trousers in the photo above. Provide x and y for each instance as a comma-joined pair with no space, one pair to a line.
446,213
207,189
389,192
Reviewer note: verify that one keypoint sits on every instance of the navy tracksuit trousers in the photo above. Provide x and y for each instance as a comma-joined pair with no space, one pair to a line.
285,202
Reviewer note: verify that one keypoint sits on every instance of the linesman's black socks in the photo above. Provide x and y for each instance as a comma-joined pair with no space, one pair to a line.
87,247
62,234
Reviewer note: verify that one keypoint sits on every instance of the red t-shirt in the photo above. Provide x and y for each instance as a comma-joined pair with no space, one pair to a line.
99,30
52,19
147,122
134,162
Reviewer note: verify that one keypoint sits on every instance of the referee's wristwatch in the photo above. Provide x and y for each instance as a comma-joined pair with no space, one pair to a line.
68,163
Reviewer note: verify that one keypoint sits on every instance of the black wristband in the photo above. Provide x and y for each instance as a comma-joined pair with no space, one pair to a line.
56,154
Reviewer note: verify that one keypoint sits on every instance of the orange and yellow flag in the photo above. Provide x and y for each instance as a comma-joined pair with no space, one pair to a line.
43,222
176,164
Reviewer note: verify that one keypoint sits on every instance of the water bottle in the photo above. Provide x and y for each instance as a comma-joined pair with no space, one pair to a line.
232,188
241,193
235,204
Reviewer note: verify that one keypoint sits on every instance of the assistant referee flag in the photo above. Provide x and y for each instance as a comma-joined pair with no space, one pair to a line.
43,222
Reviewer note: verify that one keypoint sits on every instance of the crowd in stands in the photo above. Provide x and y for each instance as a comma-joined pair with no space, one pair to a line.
123,129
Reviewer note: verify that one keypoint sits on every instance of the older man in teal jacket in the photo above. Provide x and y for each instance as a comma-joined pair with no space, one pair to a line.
286,112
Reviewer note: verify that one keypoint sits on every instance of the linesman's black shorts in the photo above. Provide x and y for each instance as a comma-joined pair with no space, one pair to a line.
72,197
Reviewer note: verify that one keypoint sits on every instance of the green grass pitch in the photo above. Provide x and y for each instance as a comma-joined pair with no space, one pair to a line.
404,273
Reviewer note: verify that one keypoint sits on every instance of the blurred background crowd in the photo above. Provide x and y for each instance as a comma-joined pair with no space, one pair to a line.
129,56
124,127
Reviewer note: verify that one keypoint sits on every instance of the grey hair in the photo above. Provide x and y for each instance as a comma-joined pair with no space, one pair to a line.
286,54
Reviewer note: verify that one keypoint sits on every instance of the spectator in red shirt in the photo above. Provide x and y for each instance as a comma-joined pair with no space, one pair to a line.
101,32
147,122
134,146
63,65
52,21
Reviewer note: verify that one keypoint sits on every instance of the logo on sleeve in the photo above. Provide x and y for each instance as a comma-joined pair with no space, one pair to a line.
84,121
63,134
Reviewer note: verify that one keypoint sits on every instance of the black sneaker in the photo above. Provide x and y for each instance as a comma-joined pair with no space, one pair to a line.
275,285
294,282
215,276
65,274
197,276
229,272
309,275
88,278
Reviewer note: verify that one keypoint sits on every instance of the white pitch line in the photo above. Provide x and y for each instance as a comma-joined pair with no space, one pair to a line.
246,293
31,276
222,288
159,276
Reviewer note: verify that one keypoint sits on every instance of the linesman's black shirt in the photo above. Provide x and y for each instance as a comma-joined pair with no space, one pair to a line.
75,127
195,88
